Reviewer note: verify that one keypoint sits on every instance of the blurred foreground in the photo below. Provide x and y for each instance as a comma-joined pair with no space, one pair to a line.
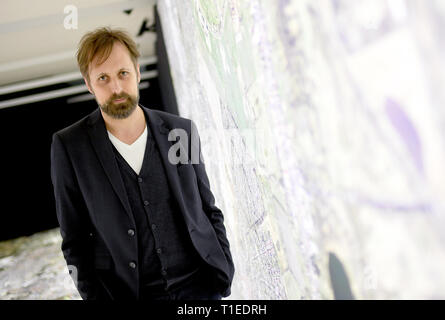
33,268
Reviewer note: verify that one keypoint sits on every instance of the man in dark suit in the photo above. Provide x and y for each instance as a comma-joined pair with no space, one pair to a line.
135,222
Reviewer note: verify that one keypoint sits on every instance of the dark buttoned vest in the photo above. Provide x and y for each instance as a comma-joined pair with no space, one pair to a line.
167,257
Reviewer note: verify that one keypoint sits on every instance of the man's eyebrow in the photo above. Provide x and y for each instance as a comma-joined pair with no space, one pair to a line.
104,73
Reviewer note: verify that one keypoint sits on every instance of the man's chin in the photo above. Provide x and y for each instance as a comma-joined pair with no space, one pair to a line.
118,111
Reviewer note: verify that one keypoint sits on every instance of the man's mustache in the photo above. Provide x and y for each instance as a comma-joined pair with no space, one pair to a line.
118,97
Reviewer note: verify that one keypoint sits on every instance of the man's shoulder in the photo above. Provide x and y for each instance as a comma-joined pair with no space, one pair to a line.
170,117
76,129
172,120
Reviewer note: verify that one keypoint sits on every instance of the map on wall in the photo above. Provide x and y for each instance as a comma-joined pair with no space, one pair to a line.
323,134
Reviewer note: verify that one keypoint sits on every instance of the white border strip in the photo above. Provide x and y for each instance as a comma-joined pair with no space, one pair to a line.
60,93
58,78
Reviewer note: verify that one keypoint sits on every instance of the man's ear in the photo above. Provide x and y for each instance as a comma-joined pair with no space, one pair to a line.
88,86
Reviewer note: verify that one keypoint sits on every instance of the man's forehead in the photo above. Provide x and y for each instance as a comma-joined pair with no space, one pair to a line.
108,67
114,62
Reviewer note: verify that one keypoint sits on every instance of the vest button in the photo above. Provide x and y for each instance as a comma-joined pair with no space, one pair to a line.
130,232
132,265
140,179
159,250
163,272
153,226
146,202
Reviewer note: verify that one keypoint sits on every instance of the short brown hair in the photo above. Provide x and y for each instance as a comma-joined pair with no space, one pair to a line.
100,42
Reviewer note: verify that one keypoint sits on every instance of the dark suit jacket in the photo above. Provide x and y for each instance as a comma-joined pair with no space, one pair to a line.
94,212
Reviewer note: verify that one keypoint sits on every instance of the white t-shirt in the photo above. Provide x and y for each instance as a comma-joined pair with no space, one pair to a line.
134,153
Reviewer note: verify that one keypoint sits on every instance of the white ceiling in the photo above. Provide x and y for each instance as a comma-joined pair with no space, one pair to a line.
35,43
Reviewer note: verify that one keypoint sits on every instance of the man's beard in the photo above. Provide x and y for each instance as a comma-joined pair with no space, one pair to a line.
120,110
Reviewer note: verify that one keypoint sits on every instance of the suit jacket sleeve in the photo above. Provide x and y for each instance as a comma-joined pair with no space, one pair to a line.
75,225
208,201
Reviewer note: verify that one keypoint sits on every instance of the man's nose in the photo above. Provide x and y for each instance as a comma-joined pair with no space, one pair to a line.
116,86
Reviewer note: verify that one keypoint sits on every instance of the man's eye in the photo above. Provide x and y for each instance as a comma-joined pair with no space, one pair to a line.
124,72
102,78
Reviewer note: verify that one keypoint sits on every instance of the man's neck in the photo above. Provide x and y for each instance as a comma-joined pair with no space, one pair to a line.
126,130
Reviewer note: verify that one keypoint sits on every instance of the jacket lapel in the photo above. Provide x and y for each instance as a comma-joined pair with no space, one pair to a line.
160,133
104,150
